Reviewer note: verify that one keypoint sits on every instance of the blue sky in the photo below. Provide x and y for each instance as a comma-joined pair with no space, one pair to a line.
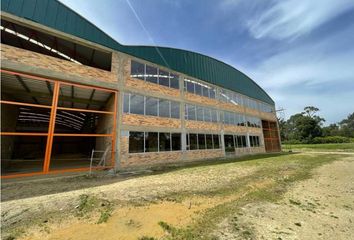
300,51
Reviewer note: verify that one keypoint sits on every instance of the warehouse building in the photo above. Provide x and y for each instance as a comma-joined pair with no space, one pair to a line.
73,98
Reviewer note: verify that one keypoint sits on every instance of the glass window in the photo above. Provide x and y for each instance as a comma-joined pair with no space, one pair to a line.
193,141
201,141
151,142
165,142
176,141
137,70
174,81
209,141
205,91
244,142
243,121
190,87
191,112
198,89
239,141
199,113
136,104
226,117
207,114
164,108
151,105
251,141
248,122
126,102
151,74
216,141
214,115
232,118
212,93
221,117
175,109
164,78
229,143
136,142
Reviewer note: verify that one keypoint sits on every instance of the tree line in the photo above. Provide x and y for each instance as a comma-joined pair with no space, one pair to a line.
307,127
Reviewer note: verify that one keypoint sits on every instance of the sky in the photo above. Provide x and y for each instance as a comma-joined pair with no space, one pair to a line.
301,52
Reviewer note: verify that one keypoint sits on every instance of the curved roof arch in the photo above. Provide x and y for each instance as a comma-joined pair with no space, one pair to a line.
56,15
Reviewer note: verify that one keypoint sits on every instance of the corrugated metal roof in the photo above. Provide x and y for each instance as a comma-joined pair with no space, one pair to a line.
54,14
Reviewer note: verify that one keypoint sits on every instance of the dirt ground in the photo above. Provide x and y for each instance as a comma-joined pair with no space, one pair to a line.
147,189
317,208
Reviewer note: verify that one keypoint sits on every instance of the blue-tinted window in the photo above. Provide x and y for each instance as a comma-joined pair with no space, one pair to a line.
191,112
164,78
136,104
126,102
151,74
174,81
151,106
137,70
175,109
164,108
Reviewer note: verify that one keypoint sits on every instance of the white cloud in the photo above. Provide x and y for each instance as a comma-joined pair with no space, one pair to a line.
318,73
293,18
327,60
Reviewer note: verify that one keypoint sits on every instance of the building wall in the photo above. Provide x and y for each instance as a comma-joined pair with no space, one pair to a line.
119,79
25,60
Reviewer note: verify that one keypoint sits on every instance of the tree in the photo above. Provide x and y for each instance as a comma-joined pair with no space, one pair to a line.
310,111
331,130
303,126
347,126
283,129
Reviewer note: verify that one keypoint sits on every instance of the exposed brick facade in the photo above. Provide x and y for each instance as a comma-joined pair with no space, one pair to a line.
119,78
37,60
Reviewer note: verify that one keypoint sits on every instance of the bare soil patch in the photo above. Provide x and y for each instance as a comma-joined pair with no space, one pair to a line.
318,208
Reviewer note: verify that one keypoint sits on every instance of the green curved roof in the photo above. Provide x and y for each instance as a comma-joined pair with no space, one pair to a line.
54,14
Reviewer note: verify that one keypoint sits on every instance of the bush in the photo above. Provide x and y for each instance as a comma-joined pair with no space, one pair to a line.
330,139
291,142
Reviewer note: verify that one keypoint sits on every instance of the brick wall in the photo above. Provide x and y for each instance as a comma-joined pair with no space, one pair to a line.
37,60
133,160
199,125
234,129
151,121
200,99
139,85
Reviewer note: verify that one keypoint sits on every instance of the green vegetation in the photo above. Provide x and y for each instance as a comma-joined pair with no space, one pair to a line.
307,127
88,204
330,139
330,147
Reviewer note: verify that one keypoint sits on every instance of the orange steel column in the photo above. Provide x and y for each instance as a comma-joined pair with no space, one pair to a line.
51,128
114,130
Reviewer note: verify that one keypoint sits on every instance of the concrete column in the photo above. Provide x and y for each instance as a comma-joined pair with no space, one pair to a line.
248,140
182,114
222,141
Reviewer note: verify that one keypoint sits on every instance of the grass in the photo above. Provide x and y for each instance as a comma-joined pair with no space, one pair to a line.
331,147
